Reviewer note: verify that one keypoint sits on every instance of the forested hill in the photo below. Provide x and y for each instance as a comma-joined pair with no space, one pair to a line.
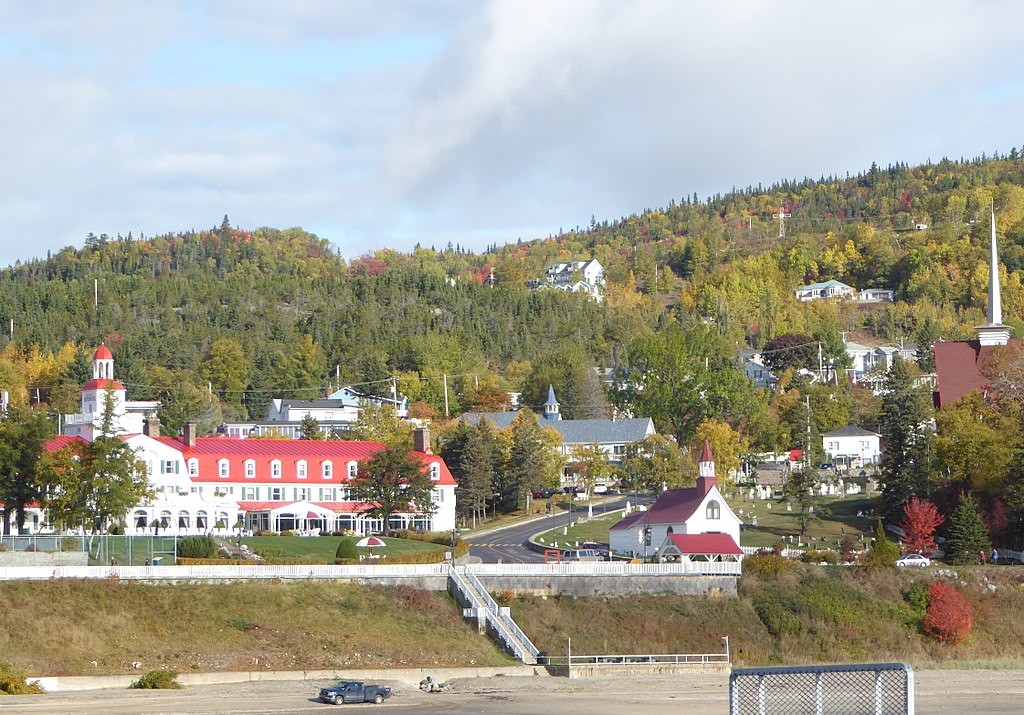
251,315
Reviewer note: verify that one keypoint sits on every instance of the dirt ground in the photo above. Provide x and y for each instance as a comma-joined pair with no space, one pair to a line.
979,692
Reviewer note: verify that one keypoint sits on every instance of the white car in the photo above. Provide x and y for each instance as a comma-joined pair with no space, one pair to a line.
914,560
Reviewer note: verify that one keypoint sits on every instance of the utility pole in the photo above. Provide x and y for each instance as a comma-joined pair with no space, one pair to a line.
782,216
446,395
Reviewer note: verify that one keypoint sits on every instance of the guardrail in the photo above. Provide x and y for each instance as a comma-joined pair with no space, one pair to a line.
634,660
612,568
493,611
329,571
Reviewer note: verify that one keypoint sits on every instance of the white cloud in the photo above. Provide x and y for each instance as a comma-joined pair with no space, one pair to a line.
383,125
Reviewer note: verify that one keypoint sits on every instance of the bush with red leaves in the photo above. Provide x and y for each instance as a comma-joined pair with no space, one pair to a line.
948,618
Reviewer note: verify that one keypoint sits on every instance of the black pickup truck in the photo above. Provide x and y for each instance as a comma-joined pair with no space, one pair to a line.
353,691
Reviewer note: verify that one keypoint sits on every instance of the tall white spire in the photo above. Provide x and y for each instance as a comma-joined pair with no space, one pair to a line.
994,333
995,302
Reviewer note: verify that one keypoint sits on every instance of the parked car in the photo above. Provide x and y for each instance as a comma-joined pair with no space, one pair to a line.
602,549
914,560
354,691
582,555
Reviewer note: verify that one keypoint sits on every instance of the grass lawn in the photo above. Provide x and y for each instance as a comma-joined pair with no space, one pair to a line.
595,529
323,548
832,518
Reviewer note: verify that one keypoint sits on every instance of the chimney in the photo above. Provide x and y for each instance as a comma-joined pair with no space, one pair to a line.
189,435
151,428
421,440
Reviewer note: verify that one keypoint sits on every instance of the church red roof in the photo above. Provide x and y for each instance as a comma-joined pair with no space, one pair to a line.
103,353
705,544
959,367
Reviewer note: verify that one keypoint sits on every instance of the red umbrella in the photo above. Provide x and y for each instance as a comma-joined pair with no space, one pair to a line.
370,542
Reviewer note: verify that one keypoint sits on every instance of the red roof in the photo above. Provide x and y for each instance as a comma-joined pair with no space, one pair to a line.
674,506
705,455
705,544
55,444
209,451
959,367
102,383
103,353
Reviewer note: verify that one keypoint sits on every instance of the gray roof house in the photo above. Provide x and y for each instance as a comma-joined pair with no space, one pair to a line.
612,436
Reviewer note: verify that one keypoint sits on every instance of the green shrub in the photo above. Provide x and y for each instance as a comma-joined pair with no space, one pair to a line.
14,682
883,553
347,551
70,543
768,565
157,680
777,614
197,547
824,556
917,597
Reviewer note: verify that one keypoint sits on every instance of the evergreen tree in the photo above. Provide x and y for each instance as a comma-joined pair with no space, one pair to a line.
525,463
907,460
310,429
799,487
473,456
967,538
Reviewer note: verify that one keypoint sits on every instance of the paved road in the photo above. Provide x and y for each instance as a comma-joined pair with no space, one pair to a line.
979,692
508,544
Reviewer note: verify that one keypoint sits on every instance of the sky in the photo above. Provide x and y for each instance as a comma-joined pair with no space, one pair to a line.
476,122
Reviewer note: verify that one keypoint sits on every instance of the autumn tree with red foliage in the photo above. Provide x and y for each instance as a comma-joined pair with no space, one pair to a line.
920,520
948,618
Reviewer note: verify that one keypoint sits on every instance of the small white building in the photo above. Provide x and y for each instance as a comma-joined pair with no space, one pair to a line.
825,290
700,510
852,447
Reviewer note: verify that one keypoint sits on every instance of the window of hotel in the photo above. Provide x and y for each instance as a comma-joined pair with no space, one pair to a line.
193,467
276,493
275,469
435,472
250,493
223,468
353,470
250,469
328,470
301,493
714,511
169,466
300,469
326,493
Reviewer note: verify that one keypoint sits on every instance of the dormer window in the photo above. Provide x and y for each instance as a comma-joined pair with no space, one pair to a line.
714,510
435,472
300,469
193,467
275,469
223,468
327,469
353,470
250,469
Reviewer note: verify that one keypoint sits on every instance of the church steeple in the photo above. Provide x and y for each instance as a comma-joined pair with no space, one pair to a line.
993,333
551,409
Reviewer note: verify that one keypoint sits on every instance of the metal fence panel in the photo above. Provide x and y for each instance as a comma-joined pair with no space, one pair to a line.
858,689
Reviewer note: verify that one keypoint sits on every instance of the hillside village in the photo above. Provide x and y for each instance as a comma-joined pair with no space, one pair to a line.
579,353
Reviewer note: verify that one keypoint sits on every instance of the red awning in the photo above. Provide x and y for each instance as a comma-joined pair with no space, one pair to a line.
312,515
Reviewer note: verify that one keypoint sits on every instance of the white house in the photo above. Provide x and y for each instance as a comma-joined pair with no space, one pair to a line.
827,289
852,446
700,510
590,281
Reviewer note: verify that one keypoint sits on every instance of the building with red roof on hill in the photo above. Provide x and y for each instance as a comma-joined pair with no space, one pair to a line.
204,485
961,366
701,510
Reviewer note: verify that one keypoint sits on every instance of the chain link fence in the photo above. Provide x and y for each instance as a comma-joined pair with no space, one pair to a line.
102,549
860,689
